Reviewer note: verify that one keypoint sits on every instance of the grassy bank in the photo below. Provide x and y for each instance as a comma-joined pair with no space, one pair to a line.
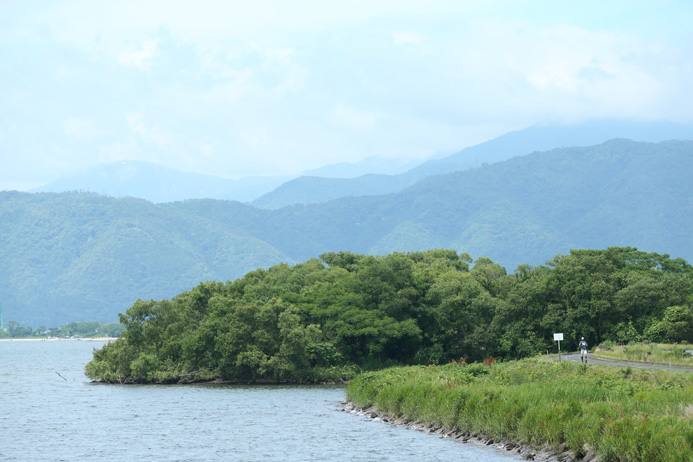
651,352
622,414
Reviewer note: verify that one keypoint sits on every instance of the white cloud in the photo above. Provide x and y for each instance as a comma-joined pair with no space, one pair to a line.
355,119
151,133
139,58
558,72
78,127
272,86
135,124
565,58
120,150
407,38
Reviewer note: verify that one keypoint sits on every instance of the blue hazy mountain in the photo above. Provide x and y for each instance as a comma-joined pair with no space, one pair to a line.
82,256
367,166
158,184
540,137
370,176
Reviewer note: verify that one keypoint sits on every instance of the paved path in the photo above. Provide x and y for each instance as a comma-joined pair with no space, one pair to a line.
637,364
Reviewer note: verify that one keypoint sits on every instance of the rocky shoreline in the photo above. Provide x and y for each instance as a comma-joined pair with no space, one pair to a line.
524,451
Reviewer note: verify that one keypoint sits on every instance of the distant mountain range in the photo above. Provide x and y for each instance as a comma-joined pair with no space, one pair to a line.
370,176
369,165
160,184
540,137
77,257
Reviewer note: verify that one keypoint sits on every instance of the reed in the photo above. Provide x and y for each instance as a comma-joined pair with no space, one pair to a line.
622,414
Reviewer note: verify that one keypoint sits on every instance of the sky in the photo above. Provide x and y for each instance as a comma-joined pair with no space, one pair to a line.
271,87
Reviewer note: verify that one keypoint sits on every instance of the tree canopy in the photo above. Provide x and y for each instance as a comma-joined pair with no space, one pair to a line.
327,318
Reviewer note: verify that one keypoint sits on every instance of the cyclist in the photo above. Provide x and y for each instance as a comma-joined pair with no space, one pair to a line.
583,350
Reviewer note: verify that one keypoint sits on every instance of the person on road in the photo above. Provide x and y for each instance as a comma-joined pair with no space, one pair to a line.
583,350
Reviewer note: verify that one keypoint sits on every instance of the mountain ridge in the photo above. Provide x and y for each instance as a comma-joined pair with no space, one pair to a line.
538,137
369,176
81,256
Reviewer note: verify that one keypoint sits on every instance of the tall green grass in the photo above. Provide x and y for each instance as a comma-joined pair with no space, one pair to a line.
655,352
622,414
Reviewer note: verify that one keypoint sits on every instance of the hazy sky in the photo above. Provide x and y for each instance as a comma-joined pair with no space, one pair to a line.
239,88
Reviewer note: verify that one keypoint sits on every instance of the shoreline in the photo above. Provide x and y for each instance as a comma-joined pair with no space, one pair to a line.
56,339
526,452
224,382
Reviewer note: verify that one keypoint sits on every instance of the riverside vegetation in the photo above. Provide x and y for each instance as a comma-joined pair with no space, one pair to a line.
328,319
619,414
650,352
331,319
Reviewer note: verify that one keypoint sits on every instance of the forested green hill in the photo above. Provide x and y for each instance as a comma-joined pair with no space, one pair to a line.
518,211
325,319
83,257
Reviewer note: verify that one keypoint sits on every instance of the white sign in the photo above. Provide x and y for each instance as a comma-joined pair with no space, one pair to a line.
557,337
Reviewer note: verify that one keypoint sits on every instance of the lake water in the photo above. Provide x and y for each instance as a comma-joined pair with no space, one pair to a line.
50,411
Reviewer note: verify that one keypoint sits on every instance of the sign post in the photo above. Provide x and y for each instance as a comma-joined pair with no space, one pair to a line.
558,338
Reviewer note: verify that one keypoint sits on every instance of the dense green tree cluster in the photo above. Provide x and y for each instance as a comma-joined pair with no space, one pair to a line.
325,319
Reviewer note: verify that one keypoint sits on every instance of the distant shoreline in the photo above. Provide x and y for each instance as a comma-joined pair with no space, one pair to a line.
55,339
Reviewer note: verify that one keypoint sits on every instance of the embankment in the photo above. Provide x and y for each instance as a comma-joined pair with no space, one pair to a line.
527,452
569,411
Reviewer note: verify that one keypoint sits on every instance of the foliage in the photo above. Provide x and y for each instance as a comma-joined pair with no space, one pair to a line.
326,319
73,256
76,256
635,416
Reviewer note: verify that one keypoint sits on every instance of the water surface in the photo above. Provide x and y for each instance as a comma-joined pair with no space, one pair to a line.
50,411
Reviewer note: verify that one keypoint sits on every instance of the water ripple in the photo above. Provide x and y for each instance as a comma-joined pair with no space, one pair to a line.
48,418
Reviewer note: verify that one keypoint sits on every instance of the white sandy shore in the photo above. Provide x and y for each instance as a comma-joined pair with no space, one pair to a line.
56,339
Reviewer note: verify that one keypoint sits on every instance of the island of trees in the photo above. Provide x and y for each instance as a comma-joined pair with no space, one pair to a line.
329,318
